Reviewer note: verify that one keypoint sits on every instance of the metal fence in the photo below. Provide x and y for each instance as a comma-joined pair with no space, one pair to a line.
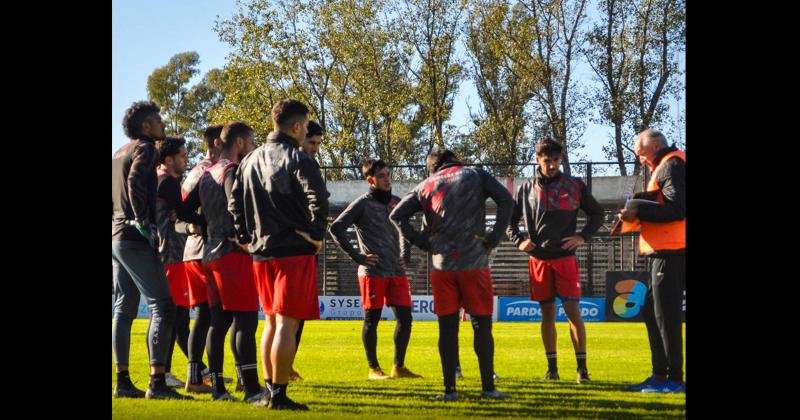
337,273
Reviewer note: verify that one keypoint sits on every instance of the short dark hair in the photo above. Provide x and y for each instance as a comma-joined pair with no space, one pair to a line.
232,131
138,113
285,112
438,157
371,166
549,147
314,129
212,133
169,147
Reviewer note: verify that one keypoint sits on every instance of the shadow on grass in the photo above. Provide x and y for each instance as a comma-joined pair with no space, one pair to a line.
532,398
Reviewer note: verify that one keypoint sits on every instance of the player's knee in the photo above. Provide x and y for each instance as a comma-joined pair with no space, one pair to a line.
482,323
164,308
403,315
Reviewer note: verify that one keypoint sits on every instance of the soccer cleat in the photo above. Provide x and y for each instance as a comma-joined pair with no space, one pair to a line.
452,396
668,387
458,373
225,396
128,392
164,393
583,376
403,372
294,376
198,388
651,382
266,396
255,397
495,395
287,404
552,375
173,381
378,374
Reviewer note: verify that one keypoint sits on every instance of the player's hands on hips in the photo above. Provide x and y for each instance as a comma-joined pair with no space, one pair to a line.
572,242
526,245
194,230
627,215
317,244
370,260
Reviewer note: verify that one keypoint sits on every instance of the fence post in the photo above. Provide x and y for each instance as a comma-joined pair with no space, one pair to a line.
325,246
589,255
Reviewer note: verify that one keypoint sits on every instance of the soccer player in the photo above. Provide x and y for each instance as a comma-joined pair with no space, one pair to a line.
232,296
198,378
381,265
549,204
452,201
173,158
134,257
280,208
309,146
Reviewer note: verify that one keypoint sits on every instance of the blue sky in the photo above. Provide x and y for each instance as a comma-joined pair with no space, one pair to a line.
146,33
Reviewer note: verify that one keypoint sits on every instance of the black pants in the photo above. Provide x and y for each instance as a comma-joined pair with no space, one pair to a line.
662,314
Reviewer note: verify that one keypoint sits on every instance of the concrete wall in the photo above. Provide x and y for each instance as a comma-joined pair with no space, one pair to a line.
610,191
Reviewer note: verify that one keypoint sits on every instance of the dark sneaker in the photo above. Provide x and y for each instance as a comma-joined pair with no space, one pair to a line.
128,392
452,396
287,404
495,395
165,393
552,375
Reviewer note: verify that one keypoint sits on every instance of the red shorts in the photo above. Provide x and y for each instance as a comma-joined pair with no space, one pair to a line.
288,286
178,283
471,290
379,291
197,282
231,282
556,277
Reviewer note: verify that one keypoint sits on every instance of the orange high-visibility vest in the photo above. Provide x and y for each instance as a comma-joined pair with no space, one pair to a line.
659,236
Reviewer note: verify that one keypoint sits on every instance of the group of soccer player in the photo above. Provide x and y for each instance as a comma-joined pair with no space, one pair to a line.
245,226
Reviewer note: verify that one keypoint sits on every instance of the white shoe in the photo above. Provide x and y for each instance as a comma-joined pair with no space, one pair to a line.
173,381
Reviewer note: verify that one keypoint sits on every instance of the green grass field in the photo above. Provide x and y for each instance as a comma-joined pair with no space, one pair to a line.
332,362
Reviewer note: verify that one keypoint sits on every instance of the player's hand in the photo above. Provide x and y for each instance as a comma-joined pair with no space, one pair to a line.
317,244
173,216
245,247
627,215
371,260
403,264
572,242
526,245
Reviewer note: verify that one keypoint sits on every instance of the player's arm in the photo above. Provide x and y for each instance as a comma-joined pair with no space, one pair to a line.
339,227
401,218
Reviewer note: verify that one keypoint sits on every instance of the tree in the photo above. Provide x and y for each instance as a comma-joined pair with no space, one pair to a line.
632,52
660,35
609,53
549,55
504,86
430,29
168,87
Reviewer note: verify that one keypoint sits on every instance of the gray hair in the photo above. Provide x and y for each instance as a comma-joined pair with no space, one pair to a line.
653,136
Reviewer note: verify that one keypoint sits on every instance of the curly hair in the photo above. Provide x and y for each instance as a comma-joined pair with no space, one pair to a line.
136,115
